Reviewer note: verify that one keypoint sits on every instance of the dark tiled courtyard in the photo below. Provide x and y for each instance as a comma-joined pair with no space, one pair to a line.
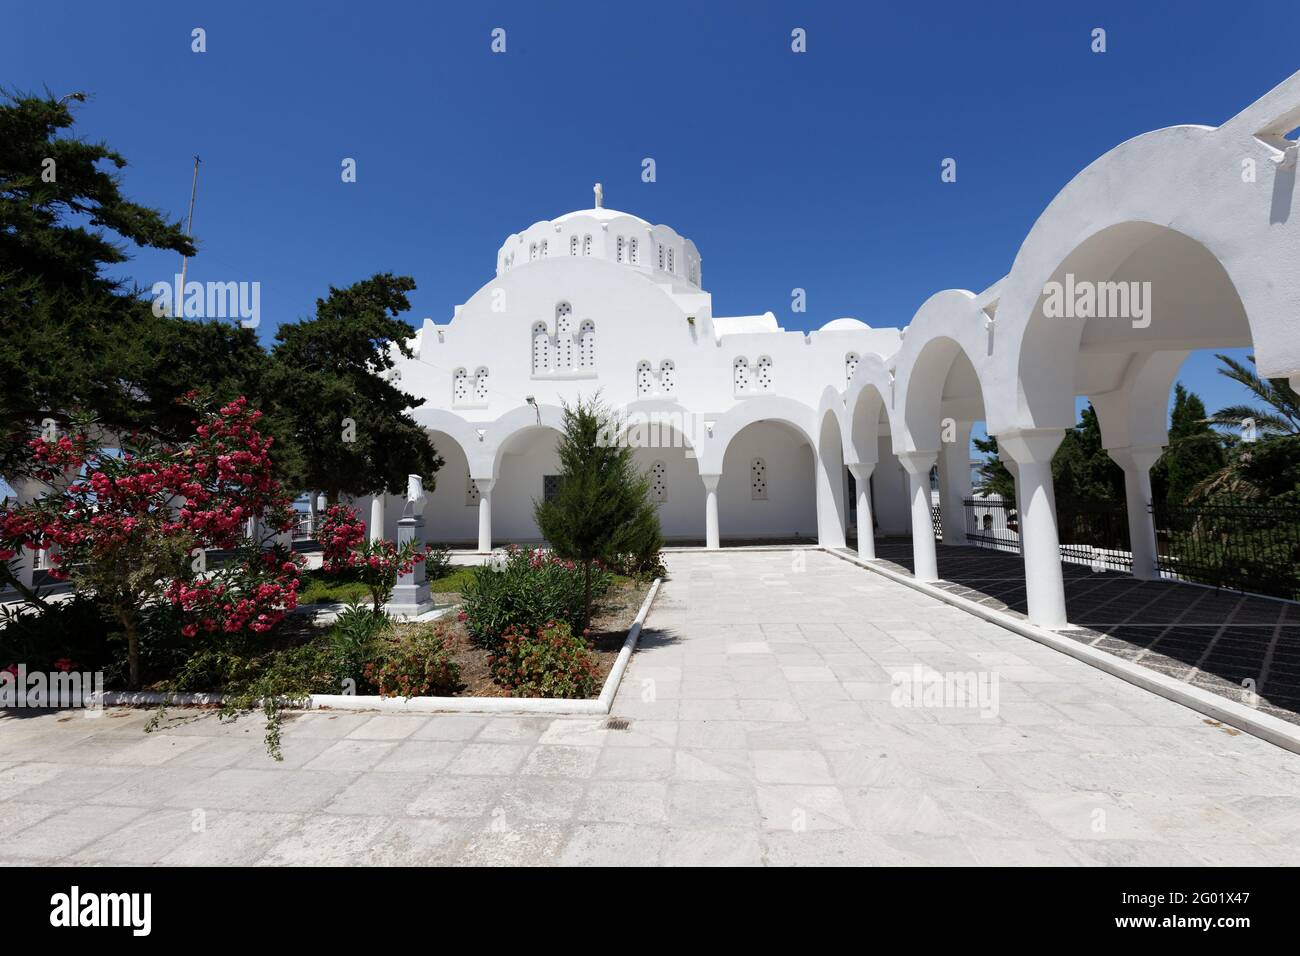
1212,639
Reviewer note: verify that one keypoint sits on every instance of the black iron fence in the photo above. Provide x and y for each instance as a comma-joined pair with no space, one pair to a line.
1096,535
1242,547
992,523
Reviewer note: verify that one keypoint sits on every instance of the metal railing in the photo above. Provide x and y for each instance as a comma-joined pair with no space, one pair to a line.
1241,547
1095,535
1252,548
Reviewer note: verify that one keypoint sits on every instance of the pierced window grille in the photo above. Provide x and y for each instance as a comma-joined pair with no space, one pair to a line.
632,251
659,482
469,389
532,251
667,382
471,492
542,249
758,480
670,260
587,344
645,380
764,374
551,486
619,256
573,245
541,349
661,257
850,367
740,375
563,336
586,245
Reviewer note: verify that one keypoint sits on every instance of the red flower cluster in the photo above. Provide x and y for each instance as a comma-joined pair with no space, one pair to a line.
377,564
201,495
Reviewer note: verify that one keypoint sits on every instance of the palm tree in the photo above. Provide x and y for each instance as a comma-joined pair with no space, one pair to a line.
1278,417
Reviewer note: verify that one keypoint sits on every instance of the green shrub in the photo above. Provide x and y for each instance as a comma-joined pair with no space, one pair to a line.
353,643
524,592
73,630
415,664
548,662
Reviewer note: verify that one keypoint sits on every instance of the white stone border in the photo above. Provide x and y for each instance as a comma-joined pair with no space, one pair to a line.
432,705
1264,726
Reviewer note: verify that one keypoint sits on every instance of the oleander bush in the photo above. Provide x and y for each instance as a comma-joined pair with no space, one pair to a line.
524,591
550,661
416,663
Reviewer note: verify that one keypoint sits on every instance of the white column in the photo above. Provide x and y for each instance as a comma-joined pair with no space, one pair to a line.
866,526
1032,450
829,480
925,560
377,516
711,536
1136,462
484,513
955,485
890,483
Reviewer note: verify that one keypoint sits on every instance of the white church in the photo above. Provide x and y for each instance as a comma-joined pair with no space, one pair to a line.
1183,238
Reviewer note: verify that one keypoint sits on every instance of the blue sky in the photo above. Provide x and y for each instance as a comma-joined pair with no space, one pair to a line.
818,171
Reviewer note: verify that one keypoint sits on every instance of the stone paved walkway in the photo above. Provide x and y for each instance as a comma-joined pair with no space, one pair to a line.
754,726
1215,640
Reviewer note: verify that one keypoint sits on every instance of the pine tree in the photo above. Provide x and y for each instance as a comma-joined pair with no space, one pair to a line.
1195,451
345,424
602,508
65,322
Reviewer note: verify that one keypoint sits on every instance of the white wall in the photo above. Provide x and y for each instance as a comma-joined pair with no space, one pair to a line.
791,504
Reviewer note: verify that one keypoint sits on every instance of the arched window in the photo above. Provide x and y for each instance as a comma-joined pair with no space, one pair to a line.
659,482
645,380
631,251
532,251
587,344
758,480
740,374
586,245
573,245
471,492
850,367
459,386
670,260
563,336
541,349
667,383
764,373
543,249
661,257
619,256
987,522
481,384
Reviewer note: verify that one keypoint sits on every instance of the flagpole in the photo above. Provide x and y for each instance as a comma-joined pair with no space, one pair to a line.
189,229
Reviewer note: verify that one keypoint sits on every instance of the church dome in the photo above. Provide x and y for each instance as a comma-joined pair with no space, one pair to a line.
841,325
601,233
